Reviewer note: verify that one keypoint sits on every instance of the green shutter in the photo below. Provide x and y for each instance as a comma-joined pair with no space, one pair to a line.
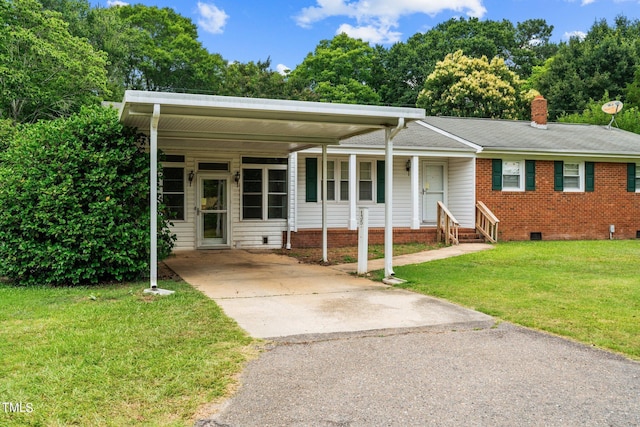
631,177
558,176
312,179
589,176
380,181
496,174
530,175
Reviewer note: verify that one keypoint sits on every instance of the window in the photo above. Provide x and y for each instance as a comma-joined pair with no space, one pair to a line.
512,175
337,180
365,182
264,190
571,177
331,181
252,194
173,192
277,207
574,176
344,181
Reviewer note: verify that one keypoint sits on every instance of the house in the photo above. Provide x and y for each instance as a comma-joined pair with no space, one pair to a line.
247,173
551,181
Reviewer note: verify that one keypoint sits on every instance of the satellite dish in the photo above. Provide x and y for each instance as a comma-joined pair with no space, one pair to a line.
613,108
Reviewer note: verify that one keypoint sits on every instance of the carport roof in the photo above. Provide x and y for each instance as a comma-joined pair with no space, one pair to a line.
255,124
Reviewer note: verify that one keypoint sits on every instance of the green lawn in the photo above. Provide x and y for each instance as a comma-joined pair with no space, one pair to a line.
586,290
111,355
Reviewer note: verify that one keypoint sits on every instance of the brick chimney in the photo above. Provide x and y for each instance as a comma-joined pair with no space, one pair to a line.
539,112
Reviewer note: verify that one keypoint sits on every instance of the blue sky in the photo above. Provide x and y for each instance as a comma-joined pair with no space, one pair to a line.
287,30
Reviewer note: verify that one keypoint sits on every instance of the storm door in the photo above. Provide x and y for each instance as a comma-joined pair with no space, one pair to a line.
212,210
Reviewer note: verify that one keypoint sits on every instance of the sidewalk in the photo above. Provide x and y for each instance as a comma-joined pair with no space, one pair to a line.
418,257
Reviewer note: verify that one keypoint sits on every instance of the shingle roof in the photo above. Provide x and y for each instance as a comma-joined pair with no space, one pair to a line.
416,135
512,135
460,134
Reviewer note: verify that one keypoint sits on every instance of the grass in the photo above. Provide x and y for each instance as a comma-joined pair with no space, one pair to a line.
585,290
112,355
350,254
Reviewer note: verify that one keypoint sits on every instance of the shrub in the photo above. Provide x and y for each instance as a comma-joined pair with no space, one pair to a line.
74,202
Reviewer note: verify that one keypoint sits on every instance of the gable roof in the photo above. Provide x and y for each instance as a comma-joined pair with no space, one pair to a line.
416,135
505,136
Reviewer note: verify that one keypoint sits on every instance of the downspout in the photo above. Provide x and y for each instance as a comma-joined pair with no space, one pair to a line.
153,185
388,203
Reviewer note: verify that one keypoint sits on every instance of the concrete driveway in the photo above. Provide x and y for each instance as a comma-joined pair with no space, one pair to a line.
272,295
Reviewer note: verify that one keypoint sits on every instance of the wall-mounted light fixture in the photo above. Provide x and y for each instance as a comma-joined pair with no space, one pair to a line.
191,175
407,166
236,178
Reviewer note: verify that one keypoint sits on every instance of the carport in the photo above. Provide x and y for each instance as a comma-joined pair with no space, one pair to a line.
217,122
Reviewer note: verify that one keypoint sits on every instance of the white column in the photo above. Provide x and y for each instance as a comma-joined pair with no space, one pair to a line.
416,192
325,257
388,205
153,200
292,217
353,181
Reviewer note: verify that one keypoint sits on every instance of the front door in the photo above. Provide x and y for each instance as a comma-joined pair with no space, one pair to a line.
213,222
433,191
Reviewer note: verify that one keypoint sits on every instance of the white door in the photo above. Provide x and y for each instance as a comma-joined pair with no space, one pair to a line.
212,210
433,191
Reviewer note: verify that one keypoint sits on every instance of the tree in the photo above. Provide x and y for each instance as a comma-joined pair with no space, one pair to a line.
339,70
583,70
45,72
253,79
164,53
408,64
472,87
74,13
74,205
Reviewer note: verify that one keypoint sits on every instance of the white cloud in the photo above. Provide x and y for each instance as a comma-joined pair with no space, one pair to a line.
579,34
586,2
111,3
375,19
376,34
283,69
212,19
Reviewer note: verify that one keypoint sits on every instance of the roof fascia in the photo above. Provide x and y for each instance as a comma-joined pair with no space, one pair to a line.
476,147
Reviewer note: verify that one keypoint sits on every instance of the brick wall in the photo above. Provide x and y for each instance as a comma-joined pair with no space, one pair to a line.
563,215
337,238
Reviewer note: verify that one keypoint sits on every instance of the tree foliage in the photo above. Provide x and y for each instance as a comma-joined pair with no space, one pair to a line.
583,70
471,87
45,72
407,65
74,205
628,119
339,70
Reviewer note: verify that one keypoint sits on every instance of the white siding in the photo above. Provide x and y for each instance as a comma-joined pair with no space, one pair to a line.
310,213
461,198
243,234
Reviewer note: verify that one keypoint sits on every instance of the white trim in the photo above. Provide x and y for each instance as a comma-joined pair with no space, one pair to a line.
581,178
353,192
522,175
415,193
470,144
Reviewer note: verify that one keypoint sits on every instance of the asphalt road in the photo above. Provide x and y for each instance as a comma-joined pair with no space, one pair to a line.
482,376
